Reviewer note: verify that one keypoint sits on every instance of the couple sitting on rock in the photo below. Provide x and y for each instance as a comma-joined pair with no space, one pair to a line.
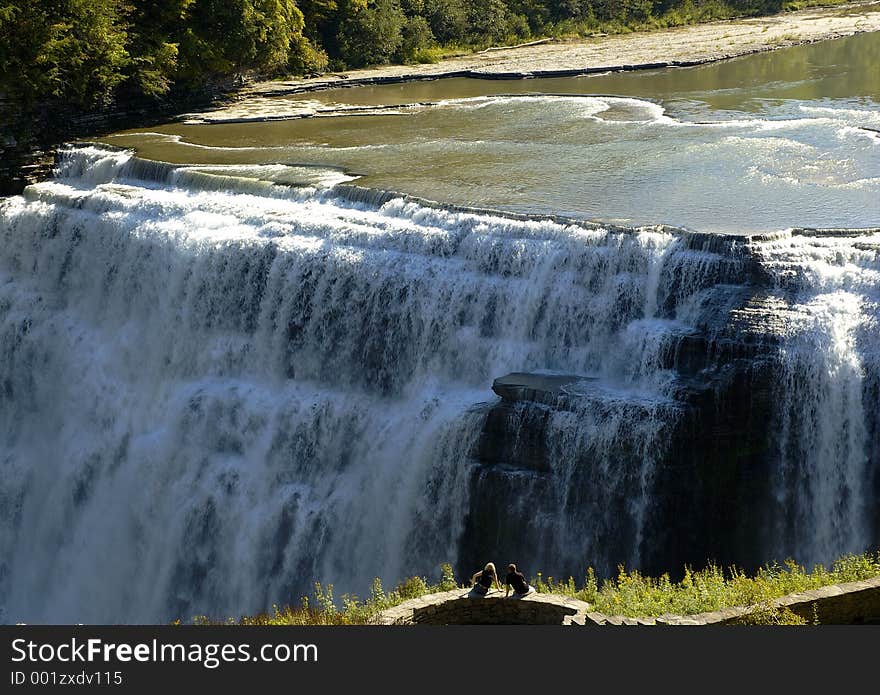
515,580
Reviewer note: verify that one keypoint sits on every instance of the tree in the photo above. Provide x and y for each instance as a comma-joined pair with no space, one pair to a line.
489,20
448,20
73,51
318,15
370,33
415,36
235,36
154,32
306,58
536,14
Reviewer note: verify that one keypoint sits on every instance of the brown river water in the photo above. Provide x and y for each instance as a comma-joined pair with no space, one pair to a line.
763,142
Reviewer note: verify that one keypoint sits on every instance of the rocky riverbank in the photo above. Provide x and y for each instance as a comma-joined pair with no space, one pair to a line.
677,47
29,137
28,141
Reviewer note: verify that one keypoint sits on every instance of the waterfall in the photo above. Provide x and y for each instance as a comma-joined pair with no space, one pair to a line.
829,363
216,390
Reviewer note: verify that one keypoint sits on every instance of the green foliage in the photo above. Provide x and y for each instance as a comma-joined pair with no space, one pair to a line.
414,8
370,33
85,53
448,20
630,594
306,58
489,21
321,609
154,44
792,5
767,614
233,36
447,578
81,53
73,51
633,594
153,71
416,38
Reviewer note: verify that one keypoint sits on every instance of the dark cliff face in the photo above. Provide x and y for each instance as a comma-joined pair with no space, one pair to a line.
872,395
30,134
685,481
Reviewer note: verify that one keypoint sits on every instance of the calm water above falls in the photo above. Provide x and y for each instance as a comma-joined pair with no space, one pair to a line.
763,142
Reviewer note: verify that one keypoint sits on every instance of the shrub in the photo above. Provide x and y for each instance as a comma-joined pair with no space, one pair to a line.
629,594
306,58
766,614
447,578
412,588
416,37
712,588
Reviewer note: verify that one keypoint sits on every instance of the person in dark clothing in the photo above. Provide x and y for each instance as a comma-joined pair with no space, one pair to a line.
517,581
483,580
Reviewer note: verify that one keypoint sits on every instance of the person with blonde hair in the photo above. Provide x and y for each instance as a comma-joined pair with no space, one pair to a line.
483,579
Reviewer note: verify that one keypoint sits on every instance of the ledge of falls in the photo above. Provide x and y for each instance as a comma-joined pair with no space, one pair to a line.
215,391
681,479
540,388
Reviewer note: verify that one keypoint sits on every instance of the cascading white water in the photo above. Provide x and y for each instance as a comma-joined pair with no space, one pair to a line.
213,398
829,359
216,391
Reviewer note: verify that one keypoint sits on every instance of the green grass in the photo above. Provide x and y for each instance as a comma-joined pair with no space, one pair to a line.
794,5
323,609
433,54
629,594
633,594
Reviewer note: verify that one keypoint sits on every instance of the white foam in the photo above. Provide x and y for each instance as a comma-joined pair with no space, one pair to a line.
207,389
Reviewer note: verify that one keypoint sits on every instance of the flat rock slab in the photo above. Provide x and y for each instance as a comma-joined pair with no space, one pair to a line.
540,388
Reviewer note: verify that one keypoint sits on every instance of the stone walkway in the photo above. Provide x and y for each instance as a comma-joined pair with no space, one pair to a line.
459,607
852,602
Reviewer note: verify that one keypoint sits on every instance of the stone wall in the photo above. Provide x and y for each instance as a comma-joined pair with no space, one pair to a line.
853,603
837,604
458,607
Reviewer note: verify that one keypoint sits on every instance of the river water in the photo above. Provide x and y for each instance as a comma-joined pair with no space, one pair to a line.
215,390
763,142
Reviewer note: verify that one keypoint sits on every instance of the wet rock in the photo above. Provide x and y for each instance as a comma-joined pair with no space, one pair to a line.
538,388
699,491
